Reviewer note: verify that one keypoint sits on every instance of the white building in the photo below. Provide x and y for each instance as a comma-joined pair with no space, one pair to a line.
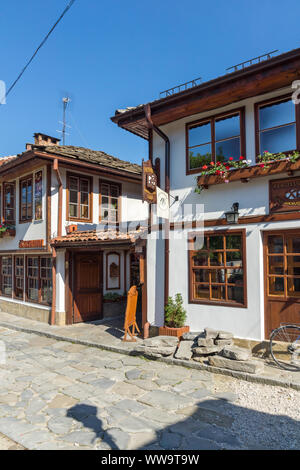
72,218
246,277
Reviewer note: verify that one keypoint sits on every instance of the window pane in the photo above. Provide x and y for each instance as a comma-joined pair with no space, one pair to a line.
84,198
104,214
73,183
233,242
84,212
276,285
276,114
200,258
73,197
218,275
200,156
216,242
294,287
104,201
73,210
235,276
293,265
84,186
218,292
275,244
233,258
228,148
104,189
201,275
114,191
202,291
276,265
235,294
278,140
227,127
200,134
216,258
293,245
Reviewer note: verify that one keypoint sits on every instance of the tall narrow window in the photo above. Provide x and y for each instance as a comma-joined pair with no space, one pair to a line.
276,126
217,270
214,139
109,202
19,277
38,195
33,278
6,274
26,199
80,200
9,202
46,279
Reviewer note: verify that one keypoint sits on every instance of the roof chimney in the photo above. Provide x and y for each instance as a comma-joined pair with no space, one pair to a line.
44,139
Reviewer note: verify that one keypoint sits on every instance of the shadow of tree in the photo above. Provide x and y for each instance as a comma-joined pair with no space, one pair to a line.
210,424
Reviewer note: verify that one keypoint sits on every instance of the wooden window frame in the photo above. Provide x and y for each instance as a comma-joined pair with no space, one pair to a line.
12,276
34,215
211,120
8,183
22,180
90,197
110,183
15,277
27,299
277,99
221,303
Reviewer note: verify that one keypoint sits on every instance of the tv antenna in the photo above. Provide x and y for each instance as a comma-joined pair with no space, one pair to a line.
66,101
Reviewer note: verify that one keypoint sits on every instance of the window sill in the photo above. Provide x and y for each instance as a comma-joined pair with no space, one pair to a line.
217,304
245,174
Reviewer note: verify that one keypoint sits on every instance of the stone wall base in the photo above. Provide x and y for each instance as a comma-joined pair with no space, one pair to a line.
60,318
25,311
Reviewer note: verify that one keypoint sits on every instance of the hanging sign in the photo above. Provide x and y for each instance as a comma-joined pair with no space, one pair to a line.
149,182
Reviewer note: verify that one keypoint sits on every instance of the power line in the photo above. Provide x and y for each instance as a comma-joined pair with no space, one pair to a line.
38,48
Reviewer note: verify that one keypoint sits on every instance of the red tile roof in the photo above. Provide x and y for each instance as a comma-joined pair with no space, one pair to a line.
97,236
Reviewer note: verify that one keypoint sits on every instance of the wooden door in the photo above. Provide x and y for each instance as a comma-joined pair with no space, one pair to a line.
88,287
282,278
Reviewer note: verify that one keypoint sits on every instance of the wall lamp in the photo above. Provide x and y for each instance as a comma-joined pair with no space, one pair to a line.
232,216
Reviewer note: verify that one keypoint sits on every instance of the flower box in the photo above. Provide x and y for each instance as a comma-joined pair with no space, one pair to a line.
168,331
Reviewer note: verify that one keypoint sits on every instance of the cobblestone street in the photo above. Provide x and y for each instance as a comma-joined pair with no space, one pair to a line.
59,395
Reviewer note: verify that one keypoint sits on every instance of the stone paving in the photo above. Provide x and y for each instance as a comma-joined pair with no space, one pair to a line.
59,395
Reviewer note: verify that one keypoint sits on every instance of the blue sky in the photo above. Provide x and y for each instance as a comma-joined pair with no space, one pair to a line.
107,55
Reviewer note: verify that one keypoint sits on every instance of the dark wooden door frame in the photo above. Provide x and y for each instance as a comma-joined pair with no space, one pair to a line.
70,280
265,234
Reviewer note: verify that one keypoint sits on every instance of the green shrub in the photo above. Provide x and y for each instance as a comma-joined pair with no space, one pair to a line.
175,315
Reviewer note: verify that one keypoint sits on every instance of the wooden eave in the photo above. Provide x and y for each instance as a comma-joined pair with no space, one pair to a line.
246,174
255,80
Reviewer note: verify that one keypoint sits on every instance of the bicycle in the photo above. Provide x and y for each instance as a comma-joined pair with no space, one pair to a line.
285,346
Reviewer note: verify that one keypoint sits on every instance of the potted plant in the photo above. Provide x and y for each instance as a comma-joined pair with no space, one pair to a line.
7,230
175,317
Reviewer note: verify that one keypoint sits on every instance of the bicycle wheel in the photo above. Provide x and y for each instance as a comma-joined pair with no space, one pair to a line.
285,347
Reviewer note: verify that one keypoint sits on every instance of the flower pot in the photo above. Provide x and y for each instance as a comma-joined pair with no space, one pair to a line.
168,331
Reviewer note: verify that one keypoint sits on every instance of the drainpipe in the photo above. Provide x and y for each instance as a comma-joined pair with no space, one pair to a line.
59,233
161,134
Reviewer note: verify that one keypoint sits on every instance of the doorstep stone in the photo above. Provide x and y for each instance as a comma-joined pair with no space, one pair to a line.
251,367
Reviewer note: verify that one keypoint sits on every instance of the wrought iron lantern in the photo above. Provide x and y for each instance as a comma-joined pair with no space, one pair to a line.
232,216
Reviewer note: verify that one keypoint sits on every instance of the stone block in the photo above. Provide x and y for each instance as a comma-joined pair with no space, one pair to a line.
223,342
251,367
207,342
236,353
189,336
225,335
184,350
203,350
210,333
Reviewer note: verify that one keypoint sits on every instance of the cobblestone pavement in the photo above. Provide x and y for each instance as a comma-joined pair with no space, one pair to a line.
60,395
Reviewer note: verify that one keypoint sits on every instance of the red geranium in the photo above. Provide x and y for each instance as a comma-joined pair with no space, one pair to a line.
241,158
230,158
212,163
204,167
262,165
